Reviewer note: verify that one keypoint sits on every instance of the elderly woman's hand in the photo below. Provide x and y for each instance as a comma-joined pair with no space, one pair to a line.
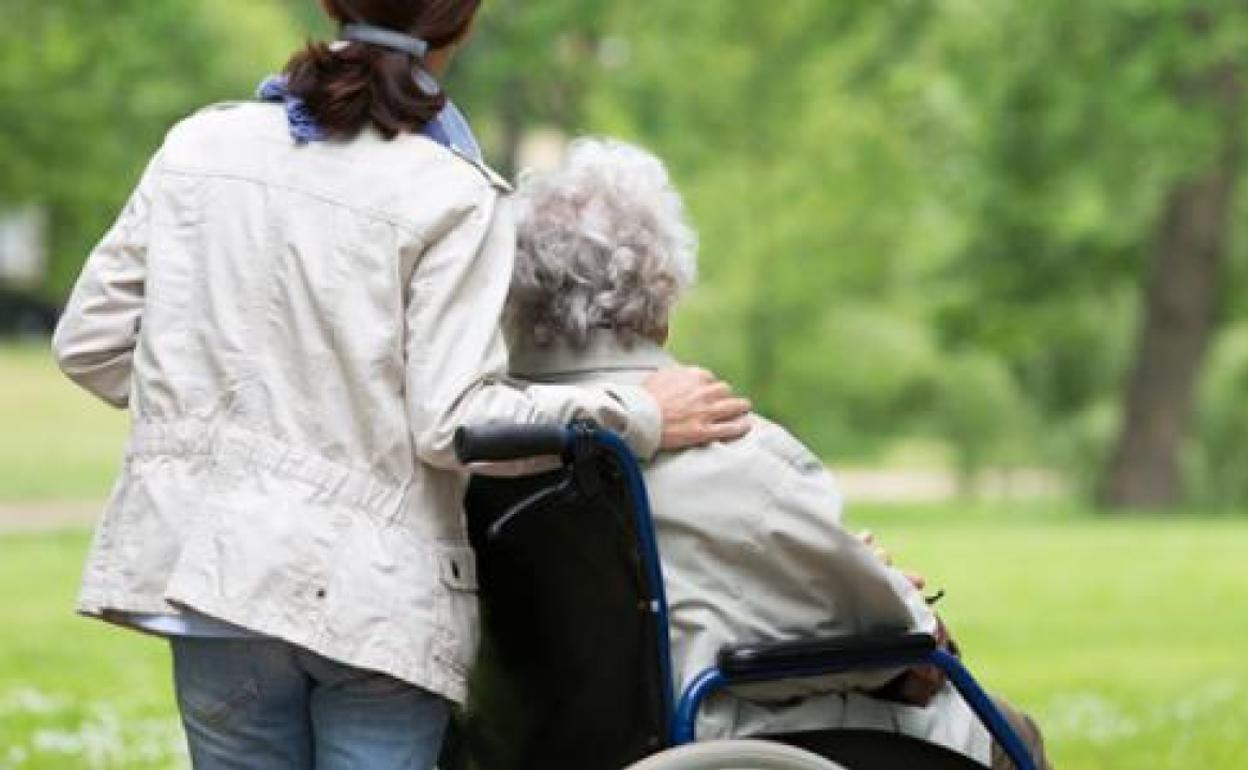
697,407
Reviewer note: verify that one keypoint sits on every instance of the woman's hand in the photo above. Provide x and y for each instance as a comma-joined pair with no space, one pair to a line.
697,407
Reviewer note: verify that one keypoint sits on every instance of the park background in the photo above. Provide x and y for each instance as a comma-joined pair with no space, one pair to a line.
987,256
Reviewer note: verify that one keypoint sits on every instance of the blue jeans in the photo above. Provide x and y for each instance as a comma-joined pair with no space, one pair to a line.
263,704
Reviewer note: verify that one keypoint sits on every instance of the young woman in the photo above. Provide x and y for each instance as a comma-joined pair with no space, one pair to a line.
299,305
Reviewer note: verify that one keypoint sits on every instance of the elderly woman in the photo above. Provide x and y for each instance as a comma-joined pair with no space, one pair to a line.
750,531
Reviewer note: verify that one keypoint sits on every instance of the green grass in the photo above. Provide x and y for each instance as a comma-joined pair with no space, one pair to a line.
74,693
58,442
1124,638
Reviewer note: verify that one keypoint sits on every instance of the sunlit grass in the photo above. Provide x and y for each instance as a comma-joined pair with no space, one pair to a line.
58,443
1124,638
75,694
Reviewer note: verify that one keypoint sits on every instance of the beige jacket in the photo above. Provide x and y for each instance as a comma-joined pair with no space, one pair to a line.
297,330
753,550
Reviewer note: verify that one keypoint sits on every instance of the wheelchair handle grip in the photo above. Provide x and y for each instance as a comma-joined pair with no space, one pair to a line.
502,442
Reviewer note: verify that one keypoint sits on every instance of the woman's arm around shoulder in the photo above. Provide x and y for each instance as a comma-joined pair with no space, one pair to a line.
456,356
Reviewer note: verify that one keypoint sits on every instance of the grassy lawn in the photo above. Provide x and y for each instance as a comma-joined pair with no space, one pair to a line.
58,442
74,693
1124,638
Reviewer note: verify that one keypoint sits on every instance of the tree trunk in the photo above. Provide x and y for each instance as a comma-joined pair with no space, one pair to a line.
1179,316
511,115
511,102
762,356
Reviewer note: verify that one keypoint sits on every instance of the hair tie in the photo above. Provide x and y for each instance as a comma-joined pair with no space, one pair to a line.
386,38
358,32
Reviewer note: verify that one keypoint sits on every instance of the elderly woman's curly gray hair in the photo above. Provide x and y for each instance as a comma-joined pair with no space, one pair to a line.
603,243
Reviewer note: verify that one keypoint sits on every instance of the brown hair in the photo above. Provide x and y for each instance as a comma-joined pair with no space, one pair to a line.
362,84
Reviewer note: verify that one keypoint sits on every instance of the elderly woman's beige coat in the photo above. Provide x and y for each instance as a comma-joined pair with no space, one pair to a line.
297,331
753,550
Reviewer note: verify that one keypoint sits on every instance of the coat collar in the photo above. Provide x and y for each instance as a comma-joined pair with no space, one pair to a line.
604,353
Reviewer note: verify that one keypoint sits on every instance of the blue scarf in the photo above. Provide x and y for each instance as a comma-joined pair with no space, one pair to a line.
449,129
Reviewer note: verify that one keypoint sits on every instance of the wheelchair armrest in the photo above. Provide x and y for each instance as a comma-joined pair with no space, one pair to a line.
501,442
740,663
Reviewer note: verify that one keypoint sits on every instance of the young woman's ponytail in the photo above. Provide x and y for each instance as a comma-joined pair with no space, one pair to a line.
350,85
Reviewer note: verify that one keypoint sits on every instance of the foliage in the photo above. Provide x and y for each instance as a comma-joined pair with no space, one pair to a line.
886,190
529,62
91,87
821,224
1217,458
980,179
1095,120
892,195
979,410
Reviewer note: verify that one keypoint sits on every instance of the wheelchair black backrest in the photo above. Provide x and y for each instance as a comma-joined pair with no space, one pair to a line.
570,674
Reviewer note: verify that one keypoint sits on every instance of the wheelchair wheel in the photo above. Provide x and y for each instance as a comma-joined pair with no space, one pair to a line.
736,755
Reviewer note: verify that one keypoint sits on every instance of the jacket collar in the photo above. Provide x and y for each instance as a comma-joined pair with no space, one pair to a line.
604,353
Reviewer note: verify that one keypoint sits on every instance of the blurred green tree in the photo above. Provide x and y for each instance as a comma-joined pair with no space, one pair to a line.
960,219
799,139
91,86
1113,132
530,65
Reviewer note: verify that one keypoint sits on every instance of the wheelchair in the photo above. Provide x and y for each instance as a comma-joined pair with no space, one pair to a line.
576,670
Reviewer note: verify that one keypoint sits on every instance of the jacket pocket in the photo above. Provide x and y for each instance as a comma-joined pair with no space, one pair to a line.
457,567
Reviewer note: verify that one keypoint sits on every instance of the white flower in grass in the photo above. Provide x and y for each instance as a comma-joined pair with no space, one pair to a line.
29,700
1088,716
15,758
107,741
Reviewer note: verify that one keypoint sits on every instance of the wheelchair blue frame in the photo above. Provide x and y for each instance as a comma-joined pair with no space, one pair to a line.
650,559
681,716
713,679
